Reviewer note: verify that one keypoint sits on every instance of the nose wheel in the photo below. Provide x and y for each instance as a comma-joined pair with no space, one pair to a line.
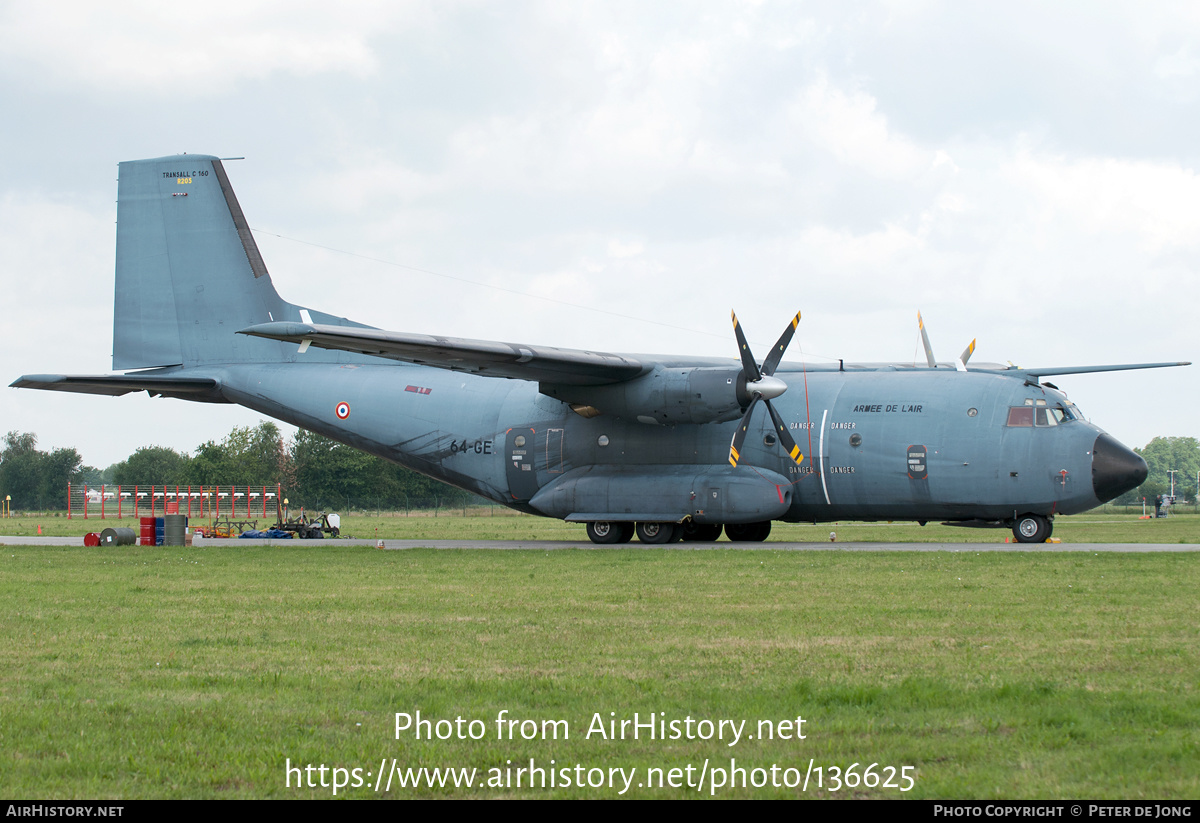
1032,528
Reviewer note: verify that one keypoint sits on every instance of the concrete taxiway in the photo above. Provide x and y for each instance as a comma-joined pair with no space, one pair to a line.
548,545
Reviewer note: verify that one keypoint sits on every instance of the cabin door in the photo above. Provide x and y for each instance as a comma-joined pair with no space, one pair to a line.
519,452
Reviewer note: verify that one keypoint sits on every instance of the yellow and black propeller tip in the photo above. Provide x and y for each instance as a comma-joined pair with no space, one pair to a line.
762,385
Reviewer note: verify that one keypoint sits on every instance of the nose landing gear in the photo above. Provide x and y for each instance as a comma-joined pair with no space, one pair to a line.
1032,528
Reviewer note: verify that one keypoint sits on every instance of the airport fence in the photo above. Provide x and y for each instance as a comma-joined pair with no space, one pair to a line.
1147,509
109,502
104,501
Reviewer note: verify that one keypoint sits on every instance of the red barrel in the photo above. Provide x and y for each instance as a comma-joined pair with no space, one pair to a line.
91,539
147,533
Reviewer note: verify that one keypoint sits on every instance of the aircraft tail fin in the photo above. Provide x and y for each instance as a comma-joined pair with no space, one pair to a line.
189,273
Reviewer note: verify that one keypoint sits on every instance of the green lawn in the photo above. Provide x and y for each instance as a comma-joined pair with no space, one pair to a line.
139,672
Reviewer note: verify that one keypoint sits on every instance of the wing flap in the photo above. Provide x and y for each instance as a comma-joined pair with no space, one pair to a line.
570,367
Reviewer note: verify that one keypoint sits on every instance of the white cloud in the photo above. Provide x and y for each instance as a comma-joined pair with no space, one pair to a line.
179,49
848,126
618,248
1156,204
1181,64
56,261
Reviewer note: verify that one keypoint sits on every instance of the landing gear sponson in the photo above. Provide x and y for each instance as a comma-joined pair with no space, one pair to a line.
611,532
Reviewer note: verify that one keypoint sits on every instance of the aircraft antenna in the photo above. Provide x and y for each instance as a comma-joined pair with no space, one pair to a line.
807,413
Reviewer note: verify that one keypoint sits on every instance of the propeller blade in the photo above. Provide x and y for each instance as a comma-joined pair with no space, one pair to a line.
925,342
749,367
785,438
763,385
739,436
772,361
967,352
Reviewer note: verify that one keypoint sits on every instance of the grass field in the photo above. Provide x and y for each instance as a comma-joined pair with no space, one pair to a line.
139,672
501,524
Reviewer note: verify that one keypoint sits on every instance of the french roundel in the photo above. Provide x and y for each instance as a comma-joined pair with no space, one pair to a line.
342,410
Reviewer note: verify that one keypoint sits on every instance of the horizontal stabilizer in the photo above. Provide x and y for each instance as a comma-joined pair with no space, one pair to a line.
203,389
570,367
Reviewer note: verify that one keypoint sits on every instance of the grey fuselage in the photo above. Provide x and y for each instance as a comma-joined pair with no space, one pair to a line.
859,432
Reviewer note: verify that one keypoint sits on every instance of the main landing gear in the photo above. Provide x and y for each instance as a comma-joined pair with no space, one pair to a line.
748,532
1032,528
659,532
609,532
701,532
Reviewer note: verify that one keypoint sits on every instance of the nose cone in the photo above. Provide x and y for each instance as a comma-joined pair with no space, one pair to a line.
1115,469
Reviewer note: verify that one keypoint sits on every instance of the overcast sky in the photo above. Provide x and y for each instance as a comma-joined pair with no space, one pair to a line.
618,176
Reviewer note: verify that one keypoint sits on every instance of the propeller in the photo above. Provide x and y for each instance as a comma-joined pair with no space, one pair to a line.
762,385
960,364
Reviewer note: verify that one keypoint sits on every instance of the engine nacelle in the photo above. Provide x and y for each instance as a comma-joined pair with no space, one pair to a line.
665,395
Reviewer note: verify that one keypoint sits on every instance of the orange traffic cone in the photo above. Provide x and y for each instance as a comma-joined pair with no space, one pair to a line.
39,528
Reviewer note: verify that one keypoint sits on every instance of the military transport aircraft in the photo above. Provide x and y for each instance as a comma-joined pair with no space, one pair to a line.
666,447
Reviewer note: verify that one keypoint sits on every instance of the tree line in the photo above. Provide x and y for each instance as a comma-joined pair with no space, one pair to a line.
1162,455
315,472
34,479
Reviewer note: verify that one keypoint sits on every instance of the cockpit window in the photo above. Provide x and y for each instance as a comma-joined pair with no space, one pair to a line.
1040,416
1048,417
1020,416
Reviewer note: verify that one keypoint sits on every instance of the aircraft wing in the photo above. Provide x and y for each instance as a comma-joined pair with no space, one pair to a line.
564,367
1033,374
188,388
